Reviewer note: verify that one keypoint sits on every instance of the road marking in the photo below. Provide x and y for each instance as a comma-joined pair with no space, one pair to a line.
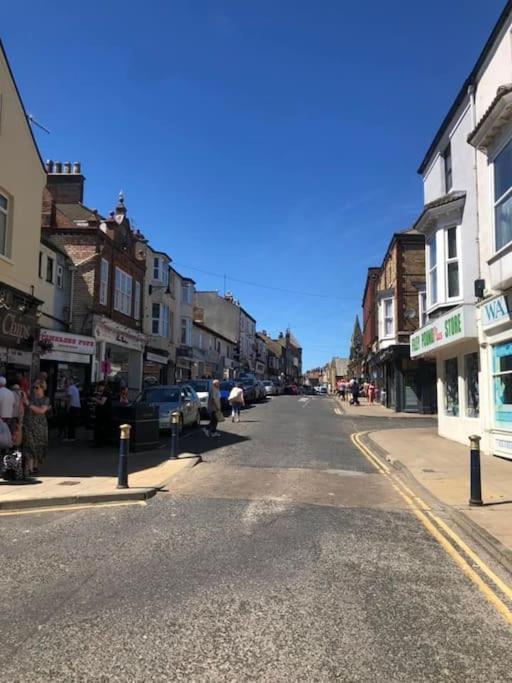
306,401
429,520
301,400
67,508
338,411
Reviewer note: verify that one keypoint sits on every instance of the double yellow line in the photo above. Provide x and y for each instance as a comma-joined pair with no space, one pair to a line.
446,537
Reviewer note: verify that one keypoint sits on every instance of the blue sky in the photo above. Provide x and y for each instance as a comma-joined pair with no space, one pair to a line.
274,142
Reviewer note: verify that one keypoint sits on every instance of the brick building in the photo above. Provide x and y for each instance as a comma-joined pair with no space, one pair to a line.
370,336
109,275
403,384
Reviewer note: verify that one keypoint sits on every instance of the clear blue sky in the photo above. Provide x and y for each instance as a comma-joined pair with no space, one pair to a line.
276,142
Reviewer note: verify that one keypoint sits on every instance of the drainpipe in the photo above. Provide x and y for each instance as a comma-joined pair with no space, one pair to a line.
471,93
72,270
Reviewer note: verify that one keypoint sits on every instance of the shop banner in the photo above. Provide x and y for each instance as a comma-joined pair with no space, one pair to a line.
112,333
65,341
454,326
156,358
496,312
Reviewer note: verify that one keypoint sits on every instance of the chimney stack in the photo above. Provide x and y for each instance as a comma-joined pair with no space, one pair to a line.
65,182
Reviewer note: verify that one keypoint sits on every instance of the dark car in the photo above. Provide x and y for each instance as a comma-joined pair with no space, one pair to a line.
225,389
250,390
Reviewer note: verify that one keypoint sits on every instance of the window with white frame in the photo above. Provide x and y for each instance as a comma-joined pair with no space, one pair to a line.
60,277
186,331
387,322
4,225
452,264
503,197
160,270
432,270
123,292
136,303
422,308
160,322
186,293
103,282
50,265
448,171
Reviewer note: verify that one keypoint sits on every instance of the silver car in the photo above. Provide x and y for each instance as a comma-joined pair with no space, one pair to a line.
270,388
170,398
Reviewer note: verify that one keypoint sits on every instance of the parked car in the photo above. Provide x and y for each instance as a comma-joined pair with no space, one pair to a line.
279,387
270,388
225,389
202,389
261,394
172,397
249,387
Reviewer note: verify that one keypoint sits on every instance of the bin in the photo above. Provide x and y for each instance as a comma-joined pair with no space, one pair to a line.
144,421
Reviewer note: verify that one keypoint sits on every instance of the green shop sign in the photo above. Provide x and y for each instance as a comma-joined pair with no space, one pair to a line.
443,331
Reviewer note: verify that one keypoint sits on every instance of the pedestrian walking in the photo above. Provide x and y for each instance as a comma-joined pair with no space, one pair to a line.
7,403
102,414
17,415
354,390
214,409
35,429
236,401
72,408
371,393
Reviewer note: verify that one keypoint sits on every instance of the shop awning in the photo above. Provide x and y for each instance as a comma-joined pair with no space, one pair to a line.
452,327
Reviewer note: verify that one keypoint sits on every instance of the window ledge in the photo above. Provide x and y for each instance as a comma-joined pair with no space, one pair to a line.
501,252
6,259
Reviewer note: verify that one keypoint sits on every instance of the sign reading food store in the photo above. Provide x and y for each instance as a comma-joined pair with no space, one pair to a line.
451,327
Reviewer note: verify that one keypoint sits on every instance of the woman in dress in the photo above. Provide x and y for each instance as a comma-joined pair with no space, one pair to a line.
35,429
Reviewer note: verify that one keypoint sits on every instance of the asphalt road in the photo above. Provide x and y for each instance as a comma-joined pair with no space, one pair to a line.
284,556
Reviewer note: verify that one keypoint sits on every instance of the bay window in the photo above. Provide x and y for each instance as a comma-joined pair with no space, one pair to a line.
123,292
452,263
186,293
503,197
432,270
160,270
422,308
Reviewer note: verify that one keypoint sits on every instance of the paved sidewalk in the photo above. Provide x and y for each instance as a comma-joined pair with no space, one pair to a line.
75,473
375,410
442,467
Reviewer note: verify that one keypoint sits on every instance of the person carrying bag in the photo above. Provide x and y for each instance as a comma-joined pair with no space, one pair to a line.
236,401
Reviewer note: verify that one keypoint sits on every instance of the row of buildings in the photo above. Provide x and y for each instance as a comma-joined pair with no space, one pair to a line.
86,294
437,313
330,375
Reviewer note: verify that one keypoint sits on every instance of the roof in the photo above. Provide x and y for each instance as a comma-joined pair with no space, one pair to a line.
77,212
272,344
445,200
31,132
215,334
499,108
248,314
54,247
470,80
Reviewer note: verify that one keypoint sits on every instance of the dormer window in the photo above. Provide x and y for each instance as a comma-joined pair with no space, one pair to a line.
160,270
447,162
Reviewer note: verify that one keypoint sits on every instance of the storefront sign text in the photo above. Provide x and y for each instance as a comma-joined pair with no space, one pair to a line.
64,341
445,330
13,326
495,312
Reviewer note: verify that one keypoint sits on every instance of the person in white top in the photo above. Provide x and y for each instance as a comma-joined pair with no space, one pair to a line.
7,401
73,408
236,401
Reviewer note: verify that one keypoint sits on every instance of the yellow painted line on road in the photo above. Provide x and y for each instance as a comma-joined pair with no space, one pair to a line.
425,515
67,508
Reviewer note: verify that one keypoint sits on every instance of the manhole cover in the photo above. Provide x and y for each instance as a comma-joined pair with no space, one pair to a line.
68,483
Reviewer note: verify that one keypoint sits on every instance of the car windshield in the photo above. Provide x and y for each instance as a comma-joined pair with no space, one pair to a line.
226,386
249,382
163,395
268,384
199,385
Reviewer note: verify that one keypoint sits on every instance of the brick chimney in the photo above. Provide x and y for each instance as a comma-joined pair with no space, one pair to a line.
65,182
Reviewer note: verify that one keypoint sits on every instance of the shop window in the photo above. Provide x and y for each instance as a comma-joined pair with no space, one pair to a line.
136,311
103,282
503,197
452,263
50,264
60,277
4,224
472,387
502,384
451,387
432,270
123,292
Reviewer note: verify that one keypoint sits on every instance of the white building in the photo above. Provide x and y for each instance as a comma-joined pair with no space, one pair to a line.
183,325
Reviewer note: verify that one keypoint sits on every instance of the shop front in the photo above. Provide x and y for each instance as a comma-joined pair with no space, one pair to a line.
451,340
157,368
496,357
65,355
119,355
404,384
18,331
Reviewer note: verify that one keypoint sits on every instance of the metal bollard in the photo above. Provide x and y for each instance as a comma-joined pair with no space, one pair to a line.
175,421
124,449
476,479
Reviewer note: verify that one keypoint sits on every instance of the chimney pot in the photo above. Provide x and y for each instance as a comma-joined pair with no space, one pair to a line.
58,167
67,167
49,166
76,167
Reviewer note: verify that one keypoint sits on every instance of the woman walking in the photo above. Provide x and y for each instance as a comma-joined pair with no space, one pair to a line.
236,401
214,409
35,429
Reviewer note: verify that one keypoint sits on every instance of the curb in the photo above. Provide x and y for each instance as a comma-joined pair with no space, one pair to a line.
493,546
141,493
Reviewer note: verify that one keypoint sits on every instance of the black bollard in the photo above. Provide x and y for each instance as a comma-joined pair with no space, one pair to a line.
175,424
124,448
476,479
